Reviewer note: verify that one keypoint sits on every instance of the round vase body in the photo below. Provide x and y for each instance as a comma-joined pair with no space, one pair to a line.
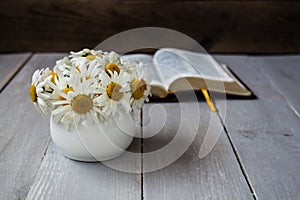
94,142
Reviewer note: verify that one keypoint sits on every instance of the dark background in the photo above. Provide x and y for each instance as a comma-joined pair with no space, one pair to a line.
220,26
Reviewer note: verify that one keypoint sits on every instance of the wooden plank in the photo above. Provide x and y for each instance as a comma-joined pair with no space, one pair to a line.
268,26
61,178
265,133
217,176
283,73
9,65
24,134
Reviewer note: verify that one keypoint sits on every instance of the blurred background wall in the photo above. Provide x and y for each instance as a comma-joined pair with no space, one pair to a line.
220,26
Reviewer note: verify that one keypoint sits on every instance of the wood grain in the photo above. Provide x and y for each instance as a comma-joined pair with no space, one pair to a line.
24,134
217,176
265,132
283,73
220,26
62,178
9,65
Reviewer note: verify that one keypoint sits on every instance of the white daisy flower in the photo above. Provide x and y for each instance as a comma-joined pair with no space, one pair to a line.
96,59
86,57
90,71
129,65
114,92
77,104
38,94
89,86
79,58
62,81
112,62
139,85
64,65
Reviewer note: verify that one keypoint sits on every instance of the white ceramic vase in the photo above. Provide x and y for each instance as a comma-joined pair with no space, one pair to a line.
97,142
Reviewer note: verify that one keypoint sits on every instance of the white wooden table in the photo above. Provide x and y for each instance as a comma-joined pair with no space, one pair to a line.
257,158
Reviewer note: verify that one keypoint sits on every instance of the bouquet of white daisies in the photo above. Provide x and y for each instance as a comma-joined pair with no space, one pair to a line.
89,85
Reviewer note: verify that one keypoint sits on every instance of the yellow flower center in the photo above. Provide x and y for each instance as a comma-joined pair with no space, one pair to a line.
52,78
32,92
81,104
113,91
66,90
90,57
138,88
112,67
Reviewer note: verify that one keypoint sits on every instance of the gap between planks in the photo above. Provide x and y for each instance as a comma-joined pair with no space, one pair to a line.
17,71
235,151
142,157
268,156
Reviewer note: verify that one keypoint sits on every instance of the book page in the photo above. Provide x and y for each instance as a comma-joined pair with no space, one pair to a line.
175,63
232,76
154,72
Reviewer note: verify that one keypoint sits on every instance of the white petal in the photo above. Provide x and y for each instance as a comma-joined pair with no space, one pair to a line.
61,109
105,79
60,102
42,105
102,98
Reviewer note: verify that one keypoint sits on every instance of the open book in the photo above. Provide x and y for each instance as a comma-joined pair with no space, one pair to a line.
174,70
